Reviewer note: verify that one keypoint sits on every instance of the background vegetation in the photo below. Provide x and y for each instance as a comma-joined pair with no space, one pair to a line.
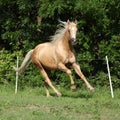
26,23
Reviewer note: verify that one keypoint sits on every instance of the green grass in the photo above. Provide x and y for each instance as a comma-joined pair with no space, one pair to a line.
32,104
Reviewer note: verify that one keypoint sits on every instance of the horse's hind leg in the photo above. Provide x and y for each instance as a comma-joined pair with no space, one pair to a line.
54,89
47,91
47,80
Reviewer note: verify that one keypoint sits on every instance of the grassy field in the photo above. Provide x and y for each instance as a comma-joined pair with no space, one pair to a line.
32,104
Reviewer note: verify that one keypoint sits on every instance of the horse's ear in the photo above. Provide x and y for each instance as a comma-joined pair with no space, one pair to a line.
75,21
68,21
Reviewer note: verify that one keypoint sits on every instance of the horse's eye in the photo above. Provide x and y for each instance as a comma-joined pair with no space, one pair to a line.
68,30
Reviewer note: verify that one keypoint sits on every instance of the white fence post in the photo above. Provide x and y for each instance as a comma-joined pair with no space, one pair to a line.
16,84
111,88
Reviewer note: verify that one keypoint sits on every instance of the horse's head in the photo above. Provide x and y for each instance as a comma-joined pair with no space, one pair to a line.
72,28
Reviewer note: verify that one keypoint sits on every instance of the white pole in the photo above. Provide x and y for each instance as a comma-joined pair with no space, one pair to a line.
16,84
111,88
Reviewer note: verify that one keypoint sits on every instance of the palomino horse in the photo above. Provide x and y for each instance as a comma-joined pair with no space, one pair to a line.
55,55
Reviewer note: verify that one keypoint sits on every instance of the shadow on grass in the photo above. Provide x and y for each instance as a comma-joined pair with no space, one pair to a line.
80,95
75,94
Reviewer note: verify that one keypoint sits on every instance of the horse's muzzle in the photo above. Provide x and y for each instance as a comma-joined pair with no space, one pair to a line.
73,41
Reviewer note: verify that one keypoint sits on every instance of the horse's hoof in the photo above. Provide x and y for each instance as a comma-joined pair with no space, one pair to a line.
92,90
48,96
73,88
59,94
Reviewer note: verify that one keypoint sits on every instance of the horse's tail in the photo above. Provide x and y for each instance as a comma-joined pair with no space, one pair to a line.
25,63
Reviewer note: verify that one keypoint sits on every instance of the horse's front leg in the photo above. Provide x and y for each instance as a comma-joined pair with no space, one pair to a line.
78,71
62,67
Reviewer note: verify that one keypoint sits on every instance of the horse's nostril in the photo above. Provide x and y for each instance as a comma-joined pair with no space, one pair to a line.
73,41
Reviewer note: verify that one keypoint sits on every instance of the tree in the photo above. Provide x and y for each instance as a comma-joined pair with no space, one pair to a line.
24,24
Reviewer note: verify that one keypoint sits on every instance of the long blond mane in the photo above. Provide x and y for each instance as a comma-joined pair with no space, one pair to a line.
59,32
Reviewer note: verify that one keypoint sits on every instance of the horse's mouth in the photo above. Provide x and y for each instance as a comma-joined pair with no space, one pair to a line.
73,42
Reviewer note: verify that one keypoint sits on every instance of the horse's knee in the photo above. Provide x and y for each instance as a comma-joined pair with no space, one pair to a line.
76,65
69,72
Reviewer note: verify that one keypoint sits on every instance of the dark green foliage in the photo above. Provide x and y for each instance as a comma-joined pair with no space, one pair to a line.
98,36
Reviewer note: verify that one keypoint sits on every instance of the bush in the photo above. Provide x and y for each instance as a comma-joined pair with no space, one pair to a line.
98,35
